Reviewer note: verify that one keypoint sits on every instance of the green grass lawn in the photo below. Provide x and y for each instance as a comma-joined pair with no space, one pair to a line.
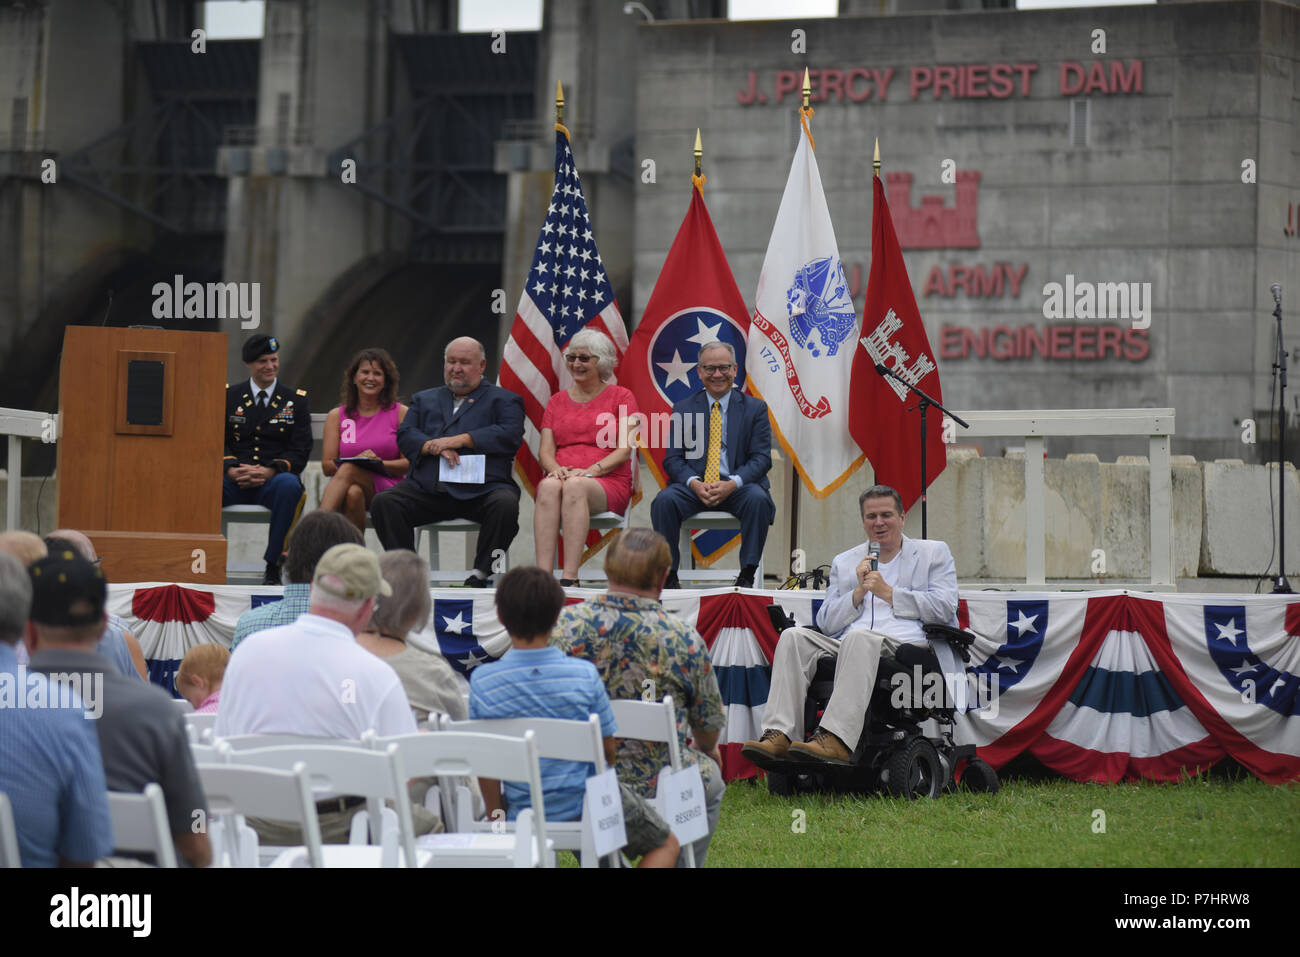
1202,822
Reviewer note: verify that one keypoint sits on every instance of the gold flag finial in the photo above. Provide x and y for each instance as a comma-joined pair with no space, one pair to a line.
807,89
699,151
559,102
875,160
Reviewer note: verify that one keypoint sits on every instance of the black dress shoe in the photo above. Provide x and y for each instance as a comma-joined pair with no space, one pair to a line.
272,575
570,583
475,582
746,577
671,581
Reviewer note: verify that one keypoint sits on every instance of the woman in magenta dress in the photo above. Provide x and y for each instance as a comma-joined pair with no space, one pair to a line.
585,451
365,425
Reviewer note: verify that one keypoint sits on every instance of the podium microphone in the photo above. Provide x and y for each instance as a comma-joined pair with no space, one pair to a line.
874,551
1277,293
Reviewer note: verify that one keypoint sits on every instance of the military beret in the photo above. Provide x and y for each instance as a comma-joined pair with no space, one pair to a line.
259,346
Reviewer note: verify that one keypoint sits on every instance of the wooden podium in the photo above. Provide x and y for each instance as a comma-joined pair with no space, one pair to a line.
141,435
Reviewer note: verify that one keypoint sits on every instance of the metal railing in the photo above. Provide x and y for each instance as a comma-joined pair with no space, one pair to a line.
1035,425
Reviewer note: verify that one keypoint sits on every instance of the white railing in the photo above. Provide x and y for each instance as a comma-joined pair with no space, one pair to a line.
1035,425
21,424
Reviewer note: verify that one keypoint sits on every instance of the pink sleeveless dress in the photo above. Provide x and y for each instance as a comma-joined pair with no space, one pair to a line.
377,433
582,434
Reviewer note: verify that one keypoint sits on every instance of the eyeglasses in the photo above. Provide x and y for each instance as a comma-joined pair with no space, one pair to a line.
716,370
573,357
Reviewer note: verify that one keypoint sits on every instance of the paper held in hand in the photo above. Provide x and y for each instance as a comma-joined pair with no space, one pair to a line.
470,471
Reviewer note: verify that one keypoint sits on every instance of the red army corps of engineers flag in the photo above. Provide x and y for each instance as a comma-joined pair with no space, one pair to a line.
894,336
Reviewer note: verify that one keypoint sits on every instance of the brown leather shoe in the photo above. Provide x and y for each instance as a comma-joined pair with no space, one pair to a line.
824,746
772,746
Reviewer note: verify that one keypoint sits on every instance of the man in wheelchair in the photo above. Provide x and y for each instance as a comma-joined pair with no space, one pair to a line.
882,593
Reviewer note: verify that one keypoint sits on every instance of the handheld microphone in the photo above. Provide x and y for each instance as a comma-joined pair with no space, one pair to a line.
874,551
1277,293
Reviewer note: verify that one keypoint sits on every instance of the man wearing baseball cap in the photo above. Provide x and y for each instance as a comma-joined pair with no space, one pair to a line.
268,440
142,736
311,678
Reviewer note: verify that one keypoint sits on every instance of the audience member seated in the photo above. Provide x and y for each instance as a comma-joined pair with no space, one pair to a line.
632,639
118,644
533,680
142,736
27,547
585,452
430,682
363,426
199,678
468,416
317,533
50,765
311,678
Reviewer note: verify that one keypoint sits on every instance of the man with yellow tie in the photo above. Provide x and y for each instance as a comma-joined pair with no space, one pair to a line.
731,475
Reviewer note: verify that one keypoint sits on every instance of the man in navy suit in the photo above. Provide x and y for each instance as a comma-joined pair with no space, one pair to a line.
737,482
467,416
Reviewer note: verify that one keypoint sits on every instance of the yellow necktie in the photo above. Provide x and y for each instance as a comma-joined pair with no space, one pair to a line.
715,444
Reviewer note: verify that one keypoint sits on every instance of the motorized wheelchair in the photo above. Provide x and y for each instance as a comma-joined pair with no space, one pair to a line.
894,754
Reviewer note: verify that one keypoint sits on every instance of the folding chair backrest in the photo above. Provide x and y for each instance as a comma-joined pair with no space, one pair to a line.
650,721
9,855
198,721
557,738
459,753
653,721
376,775
265,792
140,824
245,742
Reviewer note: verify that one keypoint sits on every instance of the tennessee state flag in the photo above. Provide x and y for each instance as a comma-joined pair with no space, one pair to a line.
894,336
695,301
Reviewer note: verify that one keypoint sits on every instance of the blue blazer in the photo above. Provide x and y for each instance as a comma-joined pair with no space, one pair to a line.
749,439
494,418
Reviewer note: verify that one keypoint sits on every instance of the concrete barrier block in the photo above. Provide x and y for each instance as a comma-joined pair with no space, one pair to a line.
1239,529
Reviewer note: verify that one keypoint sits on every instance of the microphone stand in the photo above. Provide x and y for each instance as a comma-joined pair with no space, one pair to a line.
1280,586
925,403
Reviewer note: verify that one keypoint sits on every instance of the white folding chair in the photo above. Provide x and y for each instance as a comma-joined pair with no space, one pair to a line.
198,723
140,824
245,742
377,776
459,753
653,721
9,856
208,753
712,519
562,740
183,706
234,790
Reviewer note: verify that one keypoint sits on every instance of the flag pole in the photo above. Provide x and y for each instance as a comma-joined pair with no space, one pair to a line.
559,104
791,475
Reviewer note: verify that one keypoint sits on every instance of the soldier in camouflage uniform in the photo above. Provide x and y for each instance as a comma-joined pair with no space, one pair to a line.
268,440
638,645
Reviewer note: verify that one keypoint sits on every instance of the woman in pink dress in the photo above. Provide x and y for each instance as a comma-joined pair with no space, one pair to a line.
585,451
365,425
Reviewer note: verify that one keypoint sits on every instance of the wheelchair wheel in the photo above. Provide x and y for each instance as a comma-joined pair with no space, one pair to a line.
779,784
913,771
980,777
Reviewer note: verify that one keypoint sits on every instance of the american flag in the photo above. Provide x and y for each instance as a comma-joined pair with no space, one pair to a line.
566,291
